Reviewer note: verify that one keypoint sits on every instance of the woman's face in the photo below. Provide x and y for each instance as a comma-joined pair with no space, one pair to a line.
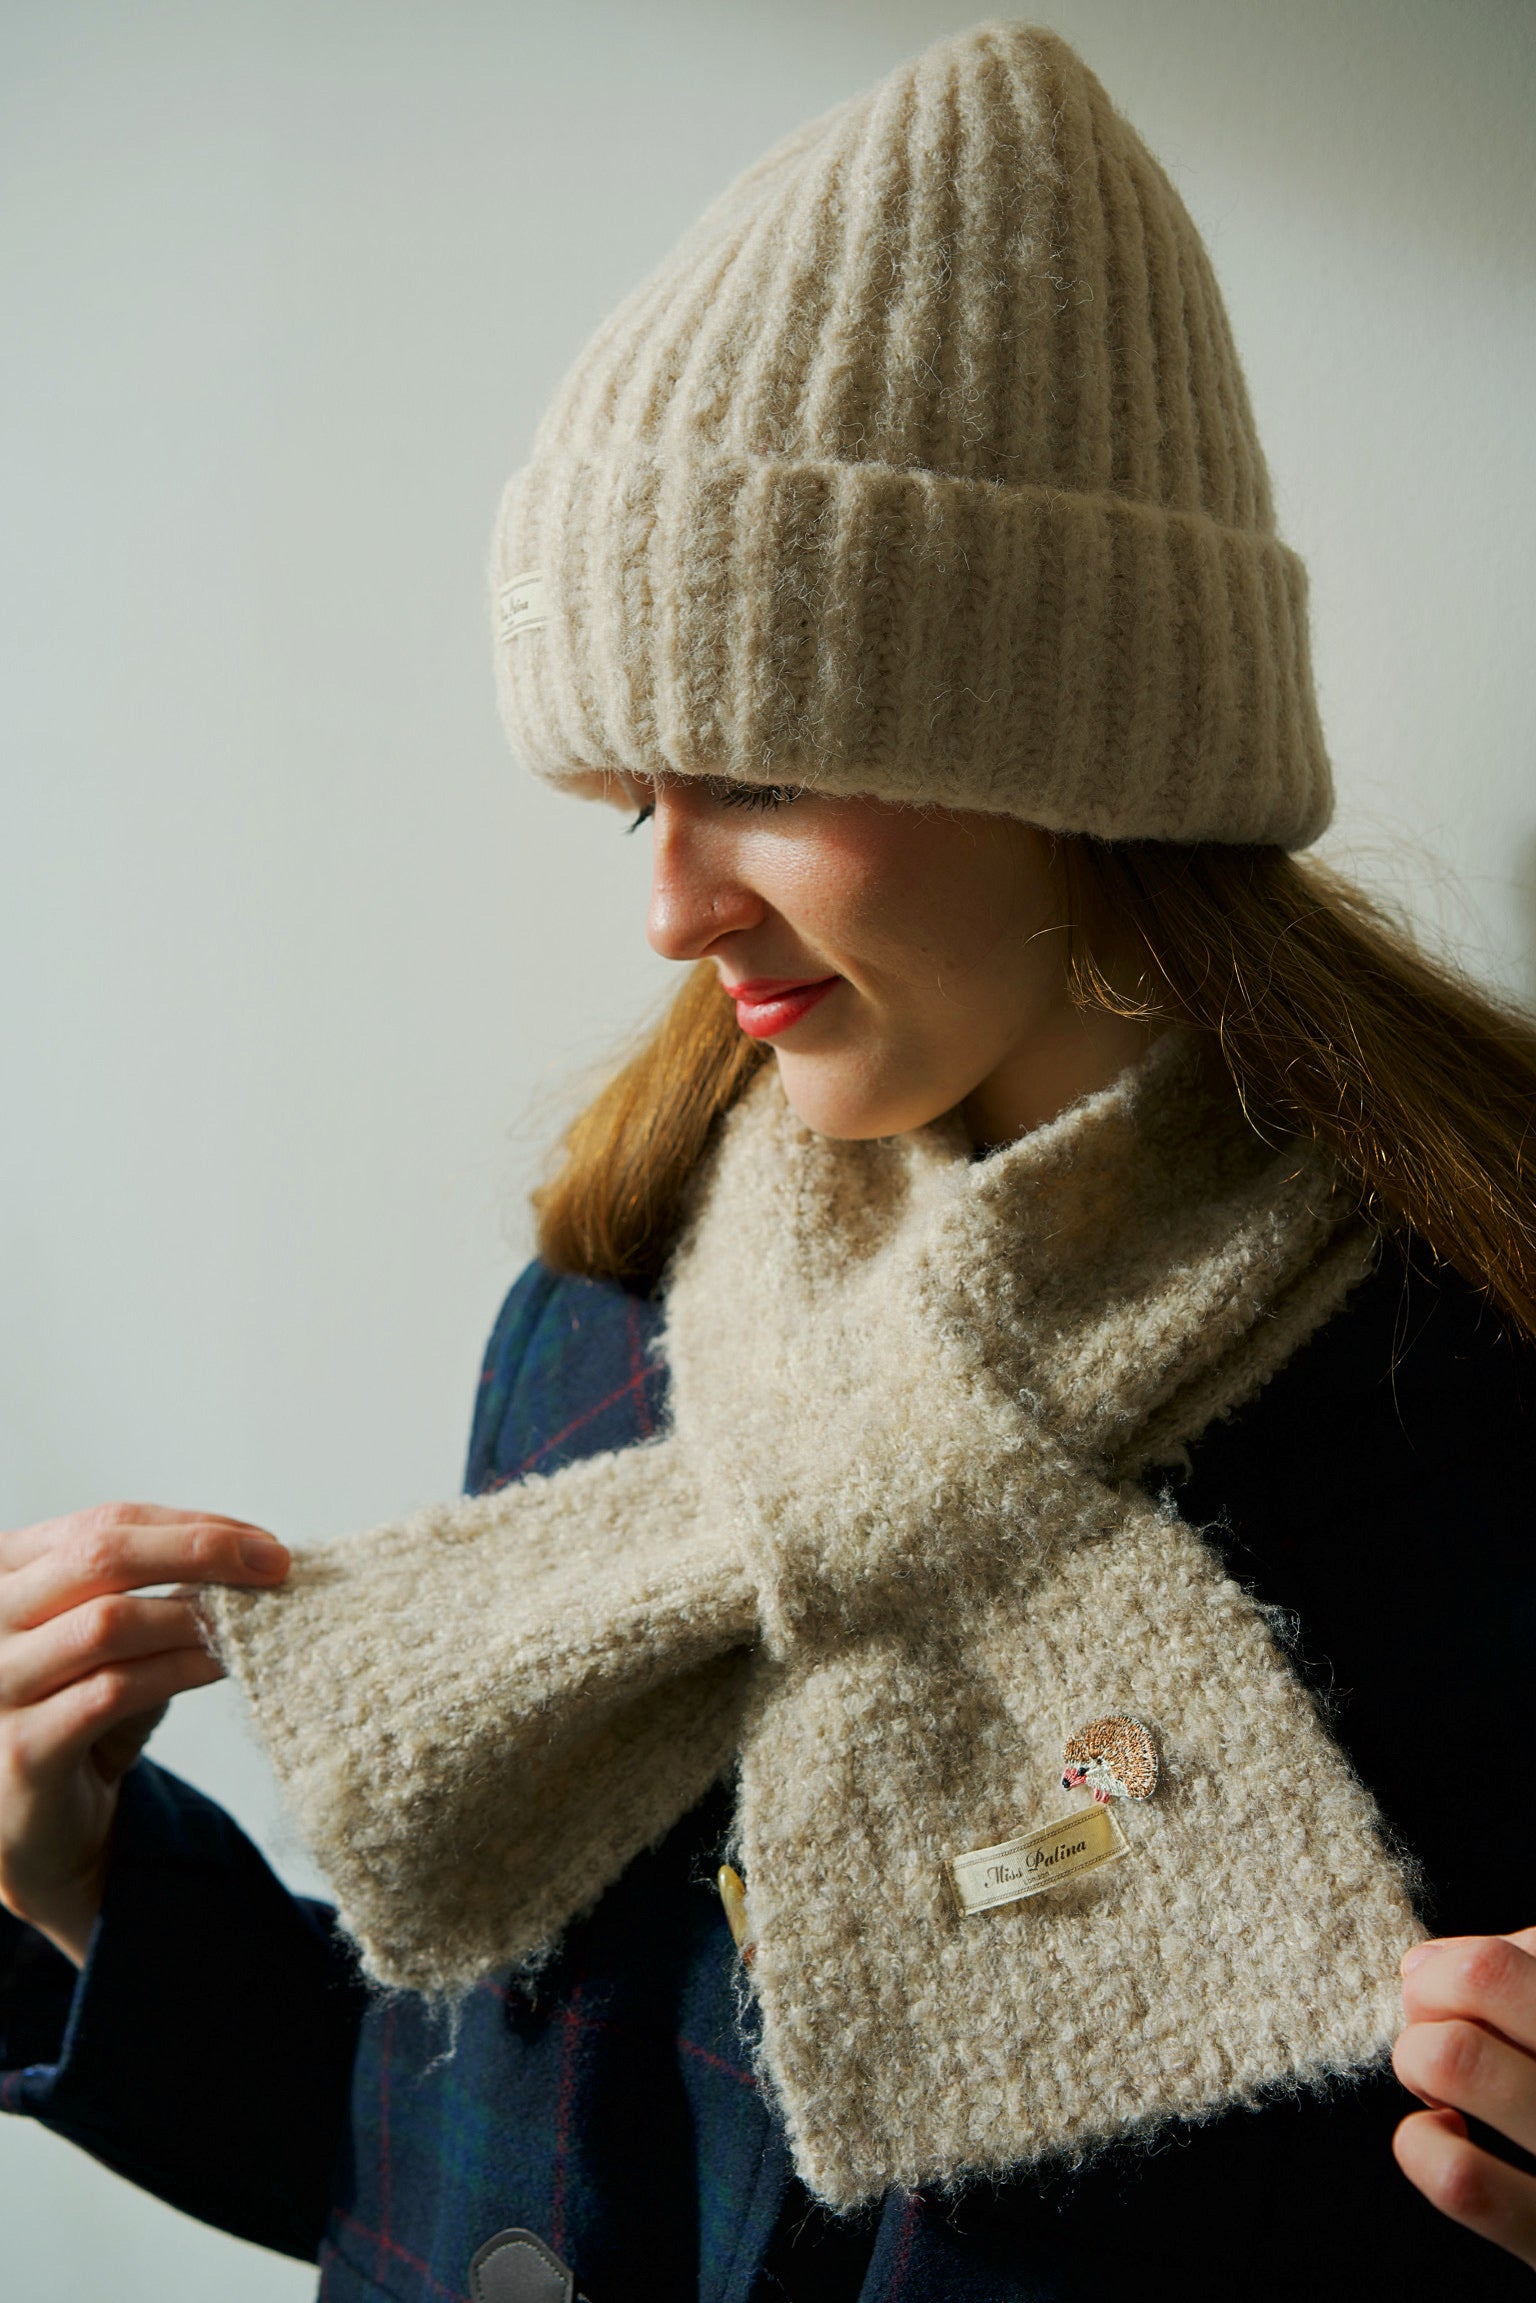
899,961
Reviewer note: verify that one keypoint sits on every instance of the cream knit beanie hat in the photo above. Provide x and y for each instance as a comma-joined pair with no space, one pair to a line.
924,467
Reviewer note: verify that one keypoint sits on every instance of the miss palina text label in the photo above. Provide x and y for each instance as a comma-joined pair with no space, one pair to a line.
1036,1860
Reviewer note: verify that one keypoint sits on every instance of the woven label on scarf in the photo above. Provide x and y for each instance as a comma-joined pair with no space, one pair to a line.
522,603
1037,1859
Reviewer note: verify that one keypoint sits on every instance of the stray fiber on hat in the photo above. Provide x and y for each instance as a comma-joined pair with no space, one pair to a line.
923,467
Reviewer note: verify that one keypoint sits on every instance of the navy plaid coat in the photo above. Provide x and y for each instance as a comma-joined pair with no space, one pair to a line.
220,2050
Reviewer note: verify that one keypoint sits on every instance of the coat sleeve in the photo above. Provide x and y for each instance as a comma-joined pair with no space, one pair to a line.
205,2049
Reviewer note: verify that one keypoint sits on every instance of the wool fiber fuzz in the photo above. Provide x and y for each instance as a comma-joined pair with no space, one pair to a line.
923,466
889,1555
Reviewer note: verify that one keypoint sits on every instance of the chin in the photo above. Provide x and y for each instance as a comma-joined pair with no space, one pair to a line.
841,1100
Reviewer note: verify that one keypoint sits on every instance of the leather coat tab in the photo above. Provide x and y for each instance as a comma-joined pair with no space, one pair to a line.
515,2266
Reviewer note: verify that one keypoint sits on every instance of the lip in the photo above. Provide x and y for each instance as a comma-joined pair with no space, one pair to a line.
767,1005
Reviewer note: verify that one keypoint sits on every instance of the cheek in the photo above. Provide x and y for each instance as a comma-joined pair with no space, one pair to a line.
836,892
937,911
937,924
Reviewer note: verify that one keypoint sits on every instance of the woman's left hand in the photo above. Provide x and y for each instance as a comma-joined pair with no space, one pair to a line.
1470,2046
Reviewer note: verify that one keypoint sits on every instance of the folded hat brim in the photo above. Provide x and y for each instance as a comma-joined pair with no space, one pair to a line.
1089,662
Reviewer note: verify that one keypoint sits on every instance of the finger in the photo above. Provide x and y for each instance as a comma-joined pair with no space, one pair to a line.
97,1556
48,1740
1485,1978
1469,2185
1472,2070
114,1753
117,1628
20,1544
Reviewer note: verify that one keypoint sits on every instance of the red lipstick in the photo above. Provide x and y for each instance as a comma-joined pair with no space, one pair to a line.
769,1004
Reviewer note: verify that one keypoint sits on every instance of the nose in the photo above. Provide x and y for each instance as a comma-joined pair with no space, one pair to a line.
698,893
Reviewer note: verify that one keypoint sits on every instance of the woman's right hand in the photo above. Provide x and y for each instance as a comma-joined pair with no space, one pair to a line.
88,1664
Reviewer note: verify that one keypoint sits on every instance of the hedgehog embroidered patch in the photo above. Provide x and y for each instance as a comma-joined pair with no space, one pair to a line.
1113,1758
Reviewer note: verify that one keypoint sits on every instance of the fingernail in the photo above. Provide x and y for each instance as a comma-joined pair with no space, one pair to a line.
1420,1951
262,1556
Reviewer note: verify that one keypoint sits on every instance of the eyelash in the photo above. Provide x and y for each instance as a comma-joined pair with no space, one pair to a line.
757,796
750,795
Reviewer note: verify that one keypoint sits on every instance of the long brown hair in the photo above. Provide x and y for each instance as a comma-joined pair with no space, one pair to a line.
1330,1018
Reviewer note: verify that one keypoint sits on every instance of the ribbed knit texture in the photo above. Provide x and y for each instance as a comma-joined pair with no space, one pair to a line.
889,1556
925,467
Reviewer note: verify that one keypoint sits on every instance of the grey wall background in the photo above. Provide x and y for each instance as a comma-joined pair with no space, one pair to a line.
300,973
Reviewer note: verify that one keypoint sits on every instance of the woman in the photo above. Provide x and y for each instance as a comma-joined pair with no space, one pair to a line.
1016,1450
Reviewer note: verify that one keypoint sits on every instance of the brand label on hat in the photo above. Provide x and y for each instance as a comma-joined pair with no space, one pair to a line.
522,604
1036,1860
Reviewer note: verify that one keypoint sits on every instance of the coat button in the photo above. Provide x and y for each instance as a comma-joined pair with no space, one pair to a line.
516,2267
733,1894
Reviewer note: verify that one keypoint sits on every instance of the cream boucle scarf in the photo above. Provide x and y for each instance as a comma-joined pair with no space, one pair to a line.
889,1553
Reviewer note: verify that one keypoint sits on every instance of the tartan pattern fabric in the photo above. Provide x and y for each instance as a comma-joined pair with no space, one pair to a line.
586,2110
206,2050
568,1372
585,2107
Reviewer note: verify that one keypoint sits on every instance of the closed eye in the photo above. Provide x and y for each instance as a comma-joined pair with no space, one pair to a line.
727,793
734,795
